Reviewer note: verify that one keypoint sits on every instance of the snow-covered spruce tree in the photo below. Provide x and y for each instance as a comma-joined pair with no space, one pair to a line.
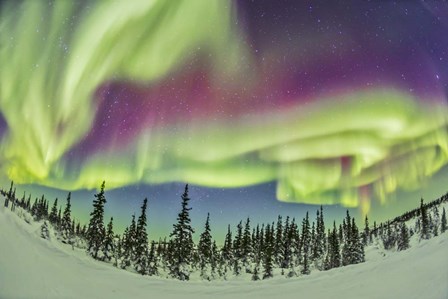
108,243
320,238
424,230
443,226
356,245
129,242
54,213
227,250
205,251
255,272
278,248
268,253
9,195
238,242
153,260
141,242
182,242
66,223
96,231
246,248
334,249
305,244
366,238
44,231
347,232
403,239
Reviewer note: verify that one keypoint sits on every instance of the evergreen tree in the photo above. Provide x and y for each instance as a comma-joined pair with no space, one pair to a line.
152,260
227,248
108,245
8,196
356,245
238,242
141,242
205,250
66,223
278,241
268,253
366,235
246,247
44,231
444,226
319,244
424,232
96,231
403,240
305,240
334,255
54,213
182,242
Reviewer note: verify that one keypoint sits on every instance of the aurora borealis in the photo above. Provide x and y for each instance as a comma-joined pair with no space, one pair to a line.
328,104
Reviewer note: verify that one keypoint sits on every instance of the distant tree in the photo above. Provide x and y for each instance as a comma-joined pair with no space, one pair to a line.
268,254
238,242
182,242
334,255
305,244
255,272
108,243
444,226
44,231
246,247
205,250
66,223
366,235
8,196
96,231
424,232
357,246
54,213
227,250
141,242
152,260
403,240
129,243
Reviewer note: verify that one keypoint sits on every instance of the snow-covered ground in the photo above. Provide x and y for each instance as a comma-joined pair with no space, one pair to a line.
31,267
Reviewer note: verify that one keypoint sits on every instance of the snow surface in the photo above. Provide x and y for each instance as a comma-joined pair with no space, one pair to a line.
31,267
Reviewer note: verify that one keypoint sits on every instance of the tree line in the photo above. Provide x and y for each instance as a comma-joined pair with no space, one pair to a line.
285,247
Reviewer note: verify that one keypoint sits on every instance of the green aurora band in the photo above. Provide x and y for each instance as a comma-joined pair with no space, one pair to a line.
393,139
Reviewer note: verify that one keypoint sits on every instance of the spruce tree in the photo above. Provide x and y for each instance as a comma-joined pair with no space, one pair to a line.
182,242
96,231
141,242
108,245
129,243
366,235
246,247
66,223
278,241
227,250
152,260
268,253
356,245
238,242
403,240
424,232
305,239
444,226
54,213
44,231
205,250
334,249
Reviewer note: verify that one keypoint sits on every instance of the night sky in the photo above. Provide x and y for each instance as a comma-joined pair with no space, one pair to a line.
264,107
